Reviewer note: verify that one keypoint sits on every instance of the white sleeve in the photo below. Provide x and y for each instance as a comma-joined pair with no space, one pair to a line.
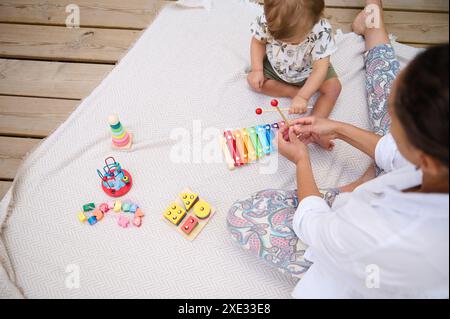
309,206
325,44
387,156
259,29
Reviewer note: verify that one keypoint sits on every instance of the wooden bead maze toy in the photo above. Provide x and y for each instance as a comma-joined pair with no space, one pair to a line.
116,181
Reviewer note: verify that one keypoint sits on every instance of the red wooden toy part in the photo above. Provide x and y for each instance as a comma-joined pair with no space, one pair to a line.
122,191
259,111
274,103
189,225
231,142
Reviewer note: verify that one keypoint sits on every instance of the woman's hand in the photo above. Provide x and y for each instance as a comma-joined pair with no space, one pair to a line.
315,129
291,147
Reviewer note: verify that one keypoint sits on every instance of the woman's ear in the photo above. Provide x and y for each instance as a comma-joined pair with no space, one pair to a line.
430,165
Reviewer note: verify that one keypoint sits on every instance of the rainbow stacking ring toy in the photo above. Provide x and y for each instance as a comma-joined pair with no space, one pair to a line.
121,138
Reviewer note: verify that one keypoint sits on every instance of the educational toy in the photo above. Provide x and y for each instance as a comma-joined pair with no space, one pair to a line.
88,207
104,208
126,207
121,139
116,181
117,206
189,225
92,220
133,208
98,215
95,215
244,146
137,221
202,209
82,217
188,199
194,216
174,213
139,213
123,222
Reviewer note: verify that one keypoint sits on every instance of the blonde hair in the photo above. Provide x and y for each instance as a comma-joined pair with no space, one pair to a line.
289,18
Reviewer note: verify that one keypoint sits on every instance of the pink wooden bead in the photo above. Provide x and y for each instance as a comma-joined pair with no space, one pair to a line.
137,221
124,222
111,205
104,208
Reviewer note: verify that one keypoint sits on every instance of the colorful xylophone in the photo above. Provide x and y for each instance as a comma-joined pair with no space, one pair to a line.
247,145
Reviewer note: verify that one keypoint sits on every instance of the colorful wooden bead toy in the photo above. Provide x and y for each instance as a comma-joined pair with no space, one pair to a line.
123,222
133,208
112,178
88,207
82,217
94,215
92,220
247,145
139,213
98,215
104,208
121,139
174,213
117,206
126,207
137,221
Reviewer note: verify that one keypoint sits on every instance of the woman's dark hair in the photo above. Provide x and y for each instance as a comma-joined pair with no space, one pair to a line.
421,102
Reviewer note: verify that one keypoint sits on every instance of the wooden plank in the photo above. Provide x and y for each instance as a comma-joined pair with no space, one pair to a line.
400,5
50,79
133,14
411,27
4,187
12,152
63,44
33,117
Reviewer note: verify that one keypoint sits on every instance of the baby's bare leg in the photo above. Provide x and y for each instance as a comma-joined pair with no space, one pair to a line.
279,89
329,93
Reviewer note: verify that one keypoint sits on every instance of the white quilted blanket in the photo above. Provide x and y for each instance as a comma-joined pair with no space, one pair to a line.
188,69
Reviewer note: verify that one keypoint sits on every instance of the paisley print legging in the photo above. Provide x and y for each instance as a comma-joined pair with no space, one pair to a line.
262,223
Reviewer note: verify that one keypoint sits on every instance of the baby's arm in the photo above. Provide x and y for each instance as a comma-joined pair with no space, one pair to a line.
258,52
312,85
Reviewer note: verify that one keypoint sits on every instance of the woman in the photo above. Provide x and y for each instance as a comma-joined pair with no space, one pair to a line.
386,237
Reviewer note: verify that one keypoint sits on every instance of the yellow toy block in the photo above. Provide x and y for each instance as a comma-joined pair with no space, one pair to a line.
117,206
82,217
189,199
175,214
202,209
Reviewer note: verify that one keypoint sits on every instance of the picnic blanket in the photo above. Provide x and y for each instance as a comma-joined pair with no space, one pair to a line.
181,84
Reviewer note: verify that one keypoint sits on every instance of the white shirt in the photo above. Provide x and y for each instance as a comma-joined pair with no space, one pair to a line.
377,242
294,63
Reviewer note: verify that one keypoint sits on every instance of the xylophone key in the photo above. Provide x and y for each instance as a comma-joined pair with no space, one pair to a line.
249,146
231,142
255,140
240,146
265,144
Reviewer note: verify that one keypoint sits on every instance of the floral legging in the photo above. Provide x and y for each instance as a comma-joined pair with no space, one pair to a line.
262,223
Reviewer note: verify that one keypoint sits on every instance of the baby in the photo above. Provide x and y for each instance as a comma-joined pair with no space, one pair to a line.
290,55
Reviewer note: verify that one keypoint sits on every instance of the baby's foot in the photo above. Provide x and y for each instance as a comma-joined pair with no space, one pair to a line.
359,25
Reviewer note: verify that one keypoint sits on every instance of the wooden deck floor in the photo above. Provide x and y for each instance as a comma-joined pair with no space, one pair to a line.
46,68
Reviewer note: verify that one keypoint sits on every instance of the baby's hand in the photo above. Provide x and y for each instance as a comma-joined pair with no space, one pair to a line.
256,80
299,105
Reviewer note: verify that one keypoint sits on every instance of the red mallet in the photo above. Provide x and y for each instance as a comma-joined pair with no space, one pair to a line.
274,103
260,111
